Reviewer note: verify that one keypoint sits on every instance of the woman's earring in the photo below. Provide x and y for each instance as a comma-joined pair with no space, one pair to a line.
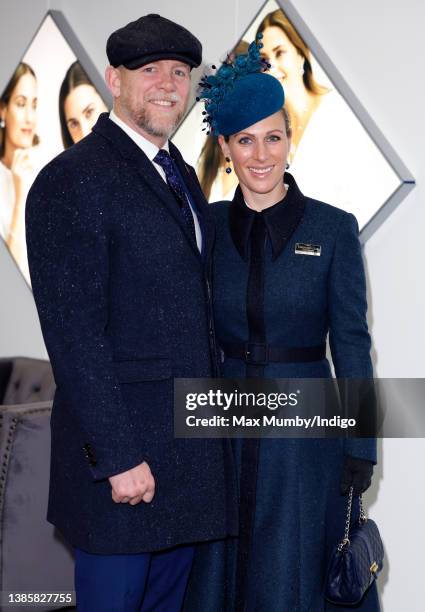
288,165
2,124
228,169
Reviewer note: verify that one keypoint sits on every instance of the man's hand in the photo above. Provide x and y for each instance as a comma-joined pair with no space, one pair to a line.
133,486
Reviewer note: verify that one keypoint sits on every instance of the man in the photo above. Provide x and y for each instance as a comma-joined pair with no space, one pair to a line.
119,241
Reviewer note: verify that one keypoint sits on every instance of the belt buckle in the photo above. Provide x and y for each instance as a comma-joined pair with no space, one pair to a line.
257,353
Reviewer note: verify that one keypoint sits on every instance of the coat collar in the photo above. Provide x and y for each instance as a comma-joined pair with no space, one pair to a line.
129,150
281,220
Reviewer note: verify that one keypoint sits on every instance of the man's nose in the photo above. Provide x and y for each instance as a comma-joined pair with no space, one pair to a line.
167,82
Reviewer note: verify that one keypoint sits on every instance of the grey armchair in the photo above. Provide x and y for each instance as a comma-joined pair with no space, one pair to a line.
33,556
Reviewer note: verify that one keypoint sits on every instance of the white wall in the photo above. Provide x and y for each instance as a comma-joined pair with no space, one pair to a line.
378,46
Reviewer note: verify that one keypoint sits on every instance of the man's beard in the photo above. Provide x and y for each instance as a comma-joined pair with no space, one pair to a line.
145,120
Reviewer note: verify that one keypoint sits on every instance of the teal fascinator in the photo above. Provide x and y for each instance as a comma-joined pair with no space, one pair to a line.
240,93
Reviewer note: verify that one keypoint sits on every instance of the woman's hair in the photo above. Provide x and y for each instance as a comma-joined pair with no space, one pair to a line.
211,157
7,94
74,77
278,19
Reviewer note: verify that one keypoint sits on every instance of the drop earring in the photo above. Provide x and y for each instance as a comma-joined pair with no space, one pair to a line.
228,169
2,124
287,166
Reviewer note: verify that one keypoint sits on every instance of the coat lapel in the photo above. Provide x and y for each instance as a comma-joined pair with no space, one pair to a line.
146,170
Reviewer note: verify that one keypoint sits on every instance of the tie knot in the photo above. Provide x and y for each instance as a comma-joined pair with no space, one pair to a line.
163,158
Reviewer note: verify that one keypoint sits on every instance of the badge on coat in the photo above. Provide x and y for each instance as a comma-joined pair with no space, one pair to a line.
302,248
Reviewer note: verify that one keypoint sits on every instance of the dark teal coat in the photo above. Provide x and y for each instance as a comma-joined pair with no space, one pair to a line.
299,514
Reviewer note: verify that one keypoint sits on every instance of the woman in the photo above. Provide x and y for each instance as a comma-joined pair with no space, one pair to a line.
79,105
328,142
290,61
274,306
18,117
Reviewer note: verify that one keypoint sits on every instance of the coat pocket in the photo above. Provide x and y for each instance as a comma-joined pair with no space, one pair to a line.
135,370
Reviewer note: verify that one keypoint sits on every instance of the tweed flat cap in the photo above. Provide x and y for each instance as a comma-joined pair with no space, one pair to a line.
152,38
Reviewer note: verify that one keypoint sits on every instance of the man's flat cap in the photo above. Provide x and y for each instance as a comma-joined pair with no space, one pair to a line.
152,38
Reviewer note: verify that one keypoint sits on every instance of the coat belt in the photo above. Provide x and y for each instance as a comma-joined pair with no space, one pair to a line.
258,353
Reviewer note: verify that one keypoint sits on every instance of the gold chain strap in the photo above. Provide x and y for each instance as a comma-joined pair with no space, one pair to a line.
362,519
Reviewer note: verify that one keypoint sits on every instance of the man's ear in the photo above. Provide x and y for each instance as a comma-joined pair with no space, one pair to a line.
113,80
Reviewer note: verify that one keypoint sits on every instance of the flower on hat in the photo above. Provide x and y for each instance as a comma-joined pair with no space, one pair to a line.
215,87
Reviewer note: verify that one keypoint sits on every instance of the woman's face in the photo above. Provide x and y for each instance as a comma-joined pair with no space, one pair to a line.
259,155
82,107
287,63
20,114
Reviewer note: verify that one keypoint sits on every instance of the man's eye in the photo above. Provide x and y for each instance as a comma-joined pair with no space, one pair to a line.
148,69
181,73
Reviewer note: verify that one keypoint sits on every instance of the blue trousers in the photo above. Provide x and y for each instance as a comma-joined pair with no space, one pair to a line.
147,582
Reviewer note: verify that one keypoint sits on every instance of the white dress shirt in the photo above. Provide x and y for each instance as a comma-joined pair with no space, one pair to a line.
150,150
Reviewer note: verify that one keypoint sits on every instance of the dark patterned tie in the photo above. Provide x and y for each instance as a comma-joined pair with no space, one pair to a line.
179,189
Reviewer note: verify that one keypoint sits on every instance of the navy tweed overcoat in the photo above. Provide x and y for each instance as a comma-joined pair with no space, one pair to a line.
123,300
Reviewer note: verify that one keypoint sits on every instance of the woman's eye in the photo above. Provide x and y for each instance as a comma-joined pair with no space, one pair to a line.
244,140
279,53
89,112
148,69
72,124
274,138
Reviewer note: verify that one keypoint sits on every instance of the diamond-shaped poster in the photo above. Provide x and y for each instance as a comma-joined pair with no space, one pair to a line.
48,104
333,156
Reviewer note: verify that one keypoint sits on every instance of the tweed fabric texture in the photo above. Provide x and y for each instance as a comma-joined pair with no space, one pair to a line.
299,513
149,39
122,295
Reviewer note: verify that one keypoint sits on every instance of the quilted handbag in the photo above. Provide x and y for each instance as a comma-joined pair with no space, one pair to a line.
356,561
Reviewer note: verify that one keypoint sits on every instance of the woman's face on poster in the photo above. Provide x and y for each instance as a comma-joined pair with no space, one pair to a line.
20,115
287,64
82,108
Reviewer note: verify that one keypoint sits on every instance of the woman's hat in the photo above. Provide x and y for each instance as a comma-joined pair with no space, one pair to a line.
240,93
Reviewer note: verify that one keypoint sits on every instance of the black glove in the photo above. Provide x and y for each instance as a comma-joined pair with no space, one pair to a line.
356,473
